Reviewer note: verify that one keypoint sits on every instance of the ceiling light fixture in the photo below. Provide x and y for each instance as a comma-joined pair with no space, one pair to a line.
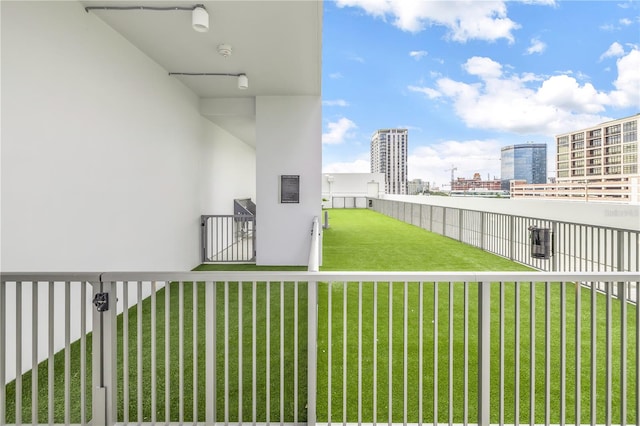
243,80
200,19
199,15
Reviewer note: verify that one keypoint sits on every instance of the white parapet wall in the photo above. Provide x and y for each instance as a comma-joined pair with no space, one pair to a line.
584,237
350,190
617,215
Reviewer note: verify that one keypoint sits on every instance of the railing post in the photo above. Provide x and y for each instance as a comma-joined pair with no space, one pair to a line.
253,237
431,218
621,252
3,349
444,221
203,238
312,347
482,230
104,352
210,356
554,252
484,352
314,250
512,237
312,323
622,298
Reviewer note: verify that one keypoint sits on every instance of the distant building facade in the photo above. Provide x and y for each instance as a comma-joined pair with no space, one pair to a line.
526,162
599,163
350,190
417,186
607,150
462,184
389,156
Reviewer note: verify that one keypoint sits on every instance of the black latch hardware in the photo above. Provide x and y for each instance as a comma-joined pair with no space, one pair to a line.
101,302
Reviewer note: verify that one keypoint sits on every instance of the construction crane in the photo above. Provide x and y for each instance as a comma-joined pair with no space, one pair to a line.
452,169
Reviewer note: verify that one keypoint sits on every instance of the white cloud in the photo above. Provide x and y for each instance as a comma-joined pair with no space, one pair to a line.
338,131
433,163
528,104
537,46
466,20
429,92
485,68
418,54
336,102
615,50
627,84
565,92
336,75
409,127
624,22
356,166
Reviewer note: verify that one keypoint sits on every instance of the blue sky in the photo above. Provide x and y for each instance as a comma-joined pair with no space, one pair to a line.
468,77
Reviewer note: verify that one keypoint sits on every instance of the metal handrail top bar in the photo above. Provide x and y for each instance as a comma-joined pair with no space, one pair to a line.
369,276
480,276
241,215
50,276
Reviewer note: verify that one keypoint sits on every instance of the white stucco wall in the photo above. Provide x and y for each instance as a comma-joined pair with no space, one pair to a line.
228,171
100,148
288,131
106,161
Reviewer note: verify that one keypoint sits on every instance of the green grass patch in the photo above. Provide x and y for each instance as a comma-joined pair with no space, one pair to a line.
359,240
363,240
431,375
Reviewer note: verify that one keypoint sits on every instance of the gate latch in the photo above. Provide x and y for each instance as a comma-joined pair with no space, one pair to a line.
101,302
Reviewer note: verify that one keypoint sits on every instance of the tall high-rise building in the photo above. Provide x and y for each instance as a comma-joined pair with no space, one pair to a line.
389,156
523,162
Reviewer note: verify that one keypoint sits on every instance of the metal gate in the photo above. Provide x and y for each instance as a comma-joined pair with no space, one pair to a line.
228,238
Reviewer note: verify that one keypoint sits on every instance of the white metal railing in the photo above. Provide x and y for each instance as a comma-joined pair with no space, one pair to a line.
578,247
39,313
308,347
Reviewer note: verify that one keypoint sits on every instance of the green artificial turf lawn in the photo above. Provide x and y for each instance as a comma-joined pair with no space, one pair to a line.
363,240
509,395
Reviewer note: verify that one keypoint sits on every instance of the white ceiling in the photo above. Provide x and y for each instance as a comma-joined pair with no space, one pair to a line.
277,44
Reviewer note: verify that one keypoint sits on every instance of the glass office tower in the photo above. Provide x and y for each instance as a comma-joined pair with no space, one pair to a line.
526,162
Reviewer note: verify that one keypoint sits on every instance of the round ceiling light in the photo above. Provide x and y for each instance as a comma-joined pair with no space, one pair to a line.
225,50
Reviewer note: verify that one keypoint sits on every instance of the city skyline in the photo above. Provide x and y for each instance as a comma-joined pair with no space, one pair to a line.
468,78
